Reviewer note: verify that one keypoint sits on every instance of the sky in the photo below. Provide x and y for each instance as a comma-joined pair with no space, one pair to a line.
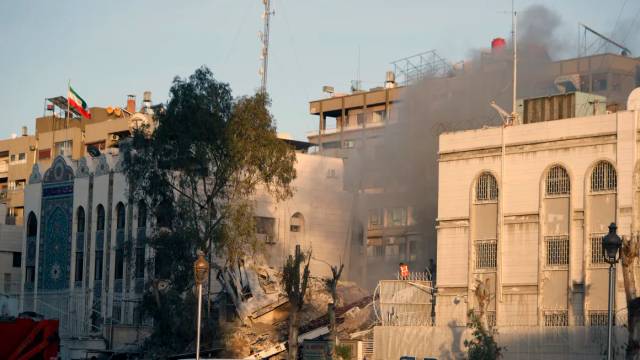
110,49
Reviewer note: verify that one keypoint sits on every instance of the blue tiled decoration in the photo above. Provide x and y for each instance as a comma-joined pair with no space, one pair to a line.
54,263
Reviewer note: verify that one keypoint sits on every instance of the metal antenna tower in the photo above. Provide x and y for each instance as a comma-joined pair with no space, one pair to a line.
264,39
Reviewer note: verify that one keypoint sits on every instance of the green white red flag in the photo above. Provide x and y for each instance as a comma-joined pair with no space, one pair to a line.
78,103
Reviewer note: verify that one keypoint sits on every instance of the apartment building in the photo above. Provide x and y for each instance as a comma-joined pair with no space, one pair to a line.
531,231
355,126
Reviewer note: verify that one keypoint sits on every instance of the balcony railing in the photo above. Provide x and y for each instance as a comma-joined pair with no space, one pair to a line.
346,128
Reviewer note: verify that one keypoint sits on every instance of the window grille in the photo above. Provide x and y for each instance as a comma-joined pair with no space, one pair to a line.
557,248
598,318
491,319
486,251
603,177
597,253
486,188
557,182
556,318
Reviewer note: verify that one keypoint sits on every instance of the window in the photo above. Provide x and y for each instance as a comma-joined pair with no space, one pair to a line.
100,218
398,216
30,277
378,116
599,82
486,188
98,266
265,229
331,174
7,282
375,251
348,144
297,223
486,251
603,177
140,262
119,271
392,251
63,148
375,218
331,145
360,119
79,265
556,318
22,157
32,225
557,182
120,216
80,219
17,259
598,318
597,253
557,248
142,214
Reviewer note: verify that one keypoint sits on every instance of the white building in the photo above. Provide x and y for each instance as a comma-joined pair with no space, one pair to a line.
80,220
533,231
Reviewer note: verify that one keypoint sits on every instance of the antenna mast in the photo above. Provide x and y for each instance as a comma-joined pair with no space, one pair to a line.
264,38
514,26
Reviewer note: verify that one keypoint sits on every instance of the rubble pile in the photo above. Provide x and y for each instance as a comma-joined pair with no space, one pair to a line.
263,309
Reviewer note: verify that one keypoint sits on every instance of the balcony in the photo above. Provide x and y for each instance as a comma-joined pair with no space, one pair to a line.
372,125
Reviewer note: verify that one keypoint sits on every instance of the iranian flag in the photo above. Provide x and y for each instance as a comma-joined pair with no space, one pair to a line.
78,103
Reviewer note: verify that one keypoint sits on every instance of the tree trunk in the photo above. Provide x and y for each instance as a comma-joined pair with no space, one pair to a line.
293,334
633,320
333,336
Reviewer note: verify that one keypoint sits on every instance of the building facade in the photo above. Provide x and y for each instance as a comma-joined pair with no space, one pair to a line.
529,225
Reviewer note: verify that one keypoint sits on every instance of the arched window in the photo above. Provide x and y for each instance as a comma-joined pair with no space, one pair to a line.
297,223
486,188
557,181
142,214
32,225
100,218
120,212
603,177
80,219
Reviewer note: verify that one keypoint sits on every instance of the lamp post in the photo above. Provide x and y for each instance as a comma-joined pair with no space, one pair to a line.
201,272
611,244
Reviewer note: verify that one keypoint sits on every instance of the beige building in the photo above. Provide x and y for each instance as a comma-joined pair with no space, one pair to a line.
532,230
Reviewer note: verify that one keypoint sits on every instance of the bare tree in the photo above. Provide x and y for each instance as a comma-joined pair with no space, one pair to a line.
295,286
332,286
482,295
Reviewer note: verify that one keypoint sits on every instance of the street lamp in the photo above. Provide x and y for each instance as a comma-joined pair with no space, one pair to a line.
200,271
611,244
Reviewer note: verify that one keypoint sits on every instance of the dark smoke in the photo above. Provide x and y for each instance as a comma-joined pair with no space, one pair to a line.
405,164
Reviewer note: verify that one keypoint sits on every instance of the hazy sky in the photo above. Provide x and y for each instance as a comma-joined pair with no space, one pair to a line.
113,48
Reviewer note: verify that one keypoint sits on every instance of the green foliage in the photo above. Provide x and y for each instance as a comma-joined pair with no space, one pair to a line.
482,346
343,352
195,171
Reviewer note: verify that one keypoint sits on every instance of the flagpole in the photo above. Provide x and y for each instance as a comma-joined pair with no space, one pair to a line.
66,125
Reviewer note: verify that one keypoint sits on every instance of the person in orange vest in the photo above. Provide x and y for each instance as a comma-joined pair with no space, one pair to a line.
404,271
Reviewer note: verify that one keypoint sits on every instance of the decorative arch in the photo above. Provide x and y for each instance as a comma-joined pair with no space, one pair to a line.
486,188
557,181
296,223
120,216
59,171
32,225
603,177
100,217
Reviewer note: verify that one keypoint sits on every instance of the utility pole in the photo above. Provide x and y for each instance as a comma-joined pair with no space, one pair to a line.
264,39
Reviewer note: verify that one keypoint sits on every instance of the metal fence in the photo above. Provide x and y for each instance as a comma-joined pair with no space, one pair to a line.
404,302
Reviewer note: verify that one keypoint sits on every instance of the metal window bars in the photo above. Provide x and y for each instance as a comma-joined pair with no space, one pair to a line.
486,188
557,181
557,250
598,318
553,318
486,254
597,252
603,177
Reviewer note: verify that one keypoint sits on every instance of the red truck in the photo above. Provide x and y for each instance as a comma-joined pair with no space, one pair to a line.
29,336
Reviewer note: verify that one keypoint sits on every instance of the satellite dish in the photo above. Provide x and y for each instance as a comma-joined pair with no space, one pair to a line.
93,151
633,102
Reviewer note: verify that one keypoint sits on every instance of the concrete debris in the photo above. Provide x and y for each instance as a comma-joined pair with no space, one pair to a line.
263,310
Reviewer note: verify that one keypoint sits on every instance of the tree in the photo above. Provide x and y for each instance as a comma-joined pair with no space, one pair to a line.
295,286
628,257
332,286
482,346
196,172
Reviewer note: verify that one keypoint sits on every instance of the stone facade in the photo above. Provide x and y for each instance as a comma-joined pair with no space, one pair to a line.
532,229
